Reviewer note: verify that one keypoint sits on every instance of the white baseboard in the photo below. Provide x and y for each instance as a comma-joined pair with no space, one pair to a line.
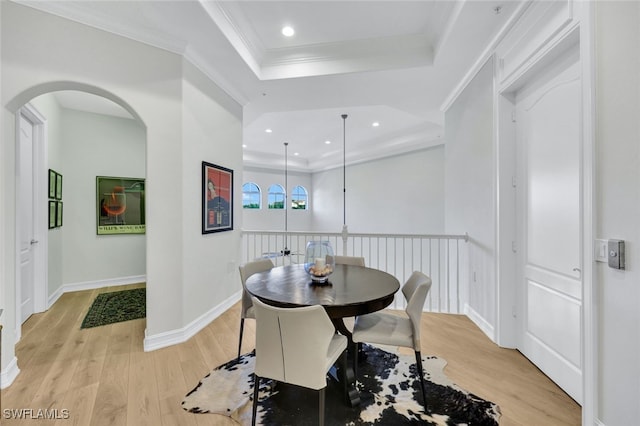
173,337
9,374
160,340
91,285
478,320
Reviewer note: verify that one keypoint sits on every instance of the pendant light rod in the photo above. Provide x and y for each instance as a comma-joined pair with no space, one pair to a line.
344,169
286,189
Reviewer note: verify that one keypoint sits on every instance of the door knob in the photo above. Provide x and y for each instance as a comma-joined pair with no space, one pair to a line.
34,242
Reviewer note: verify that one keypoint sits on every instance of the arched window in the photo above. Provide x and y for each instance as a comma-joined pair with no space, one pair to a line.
251,196
276,196
299,198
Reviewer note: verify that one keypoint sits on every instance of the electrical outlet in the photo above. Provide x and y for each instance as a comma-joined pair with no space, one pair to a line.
616,254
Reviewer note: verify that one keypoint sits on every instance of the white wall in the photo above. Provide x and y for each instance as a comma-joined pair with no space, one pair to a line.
149,83
469,188
618,208
403,194
98,145
149,79
212,132
49,108
82,146
267,219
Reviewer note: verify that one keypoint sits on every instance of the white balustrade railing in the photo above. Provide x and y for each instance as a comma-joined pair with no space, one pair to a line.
442,257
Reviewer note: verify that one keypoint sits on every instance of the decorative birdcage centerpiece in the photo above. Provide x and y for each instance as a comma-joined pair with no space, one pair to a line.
319,261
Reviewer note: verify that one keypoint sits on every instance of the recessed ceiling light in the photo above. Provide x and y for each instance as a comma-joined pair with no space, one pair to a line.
296,153
327,142
375,124
244,145
268,130
288,31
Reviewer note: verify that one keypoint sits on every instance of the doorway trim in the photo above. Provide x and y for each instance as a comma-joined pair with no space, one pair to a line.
590,352
584,32
40,191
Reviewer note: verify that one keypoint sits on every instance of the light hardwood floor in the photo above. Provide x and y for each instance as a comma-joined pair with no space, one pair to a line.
102,376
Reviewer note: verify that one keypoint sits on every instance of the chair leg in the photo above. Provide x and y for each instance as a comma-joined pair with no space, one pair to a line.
344,368
240,340
356,353
421,373
256,386
321,407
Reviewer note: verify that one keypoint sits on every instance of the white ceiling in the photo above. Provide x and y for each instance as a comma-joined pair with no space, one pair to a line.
394,62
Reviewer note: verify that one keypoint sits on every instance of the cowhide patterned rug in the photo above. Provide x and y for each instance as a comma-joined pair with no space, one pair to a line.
389,394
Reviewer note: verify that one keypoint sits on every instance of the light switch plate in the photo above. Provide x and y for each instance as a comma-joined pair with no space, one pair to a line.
600,251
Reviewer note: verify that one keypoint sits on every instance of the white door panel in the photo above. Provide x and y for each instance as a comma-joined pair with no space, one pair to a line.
553,177
553,318
26,233
553,338
549,220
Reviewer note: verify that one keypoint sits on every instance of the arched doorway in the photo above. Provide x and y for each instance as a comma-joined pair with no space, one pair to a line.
63,158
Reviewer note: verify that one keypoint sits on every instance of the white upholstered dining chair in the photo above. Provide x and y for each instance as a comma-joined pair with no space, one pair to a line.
397,330
349,260
297,346
354,261
246,270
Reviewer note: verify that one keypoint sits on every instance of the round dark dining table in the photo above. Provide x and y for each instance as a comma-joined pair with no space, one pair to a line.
350,291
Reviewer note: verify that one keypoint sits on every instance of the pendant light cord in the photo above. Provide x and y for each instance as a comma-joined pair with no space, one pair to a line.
344,169
286,189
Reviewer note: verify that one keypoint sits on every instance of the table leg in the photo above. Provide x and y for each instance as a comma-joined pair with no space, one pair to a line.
345,373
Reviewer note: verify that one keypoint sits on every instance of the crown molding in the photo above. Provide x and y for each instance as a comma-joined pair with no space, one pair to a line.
416,44
391,150
316,59
93,18
197,61
346,57
99,21
448,28
416,139
486,54
248,46
271,161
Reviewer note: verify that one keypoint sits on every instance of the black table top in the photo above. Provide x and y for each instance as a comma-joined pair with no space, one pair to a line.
351,291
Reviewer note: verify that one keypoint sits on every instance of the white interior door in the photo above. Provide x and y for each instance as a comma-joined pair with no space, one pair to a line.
548,123
26,218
